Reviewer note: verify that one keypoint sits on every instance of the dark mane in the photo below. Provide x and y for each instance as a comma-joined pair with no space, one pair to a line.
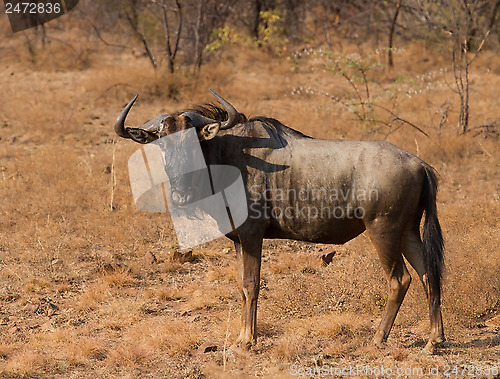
278,126
218,113
214,112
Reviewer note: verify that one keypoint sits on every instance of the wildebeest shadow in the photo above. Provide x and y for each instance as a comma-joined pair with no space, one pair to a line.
492,341
274,141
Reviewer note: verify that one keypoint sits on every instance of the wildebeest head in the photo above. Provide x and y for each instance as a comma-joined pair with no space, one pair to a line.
165,124
179,152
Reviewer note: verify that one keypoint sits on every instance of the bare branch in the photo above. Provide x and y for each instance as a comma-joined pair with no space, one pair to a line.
142,38
171,53
98,33
397,118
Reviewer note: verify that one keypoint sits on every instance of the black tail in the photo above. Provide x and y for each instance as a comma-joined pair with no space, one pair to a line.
432,238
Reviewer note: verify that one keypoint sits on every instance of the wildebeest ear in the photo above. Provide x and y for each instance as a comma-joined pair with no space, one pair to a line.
141,136
209,131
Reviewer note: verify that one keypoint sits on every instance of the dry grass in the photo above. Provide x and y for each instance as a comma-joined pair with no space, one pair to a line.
78,297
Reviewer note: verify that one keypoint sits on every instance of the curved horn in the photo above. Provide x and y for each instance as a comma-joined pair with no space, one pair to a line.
120,120
232,113
197,120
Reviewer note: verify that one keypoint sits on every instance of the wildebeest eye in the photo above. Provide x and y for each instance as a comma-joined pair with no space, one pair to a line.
141,135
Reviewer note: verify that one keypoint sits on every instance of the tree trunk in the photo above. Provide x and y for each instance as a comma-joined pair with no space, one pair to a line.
257,8
391,34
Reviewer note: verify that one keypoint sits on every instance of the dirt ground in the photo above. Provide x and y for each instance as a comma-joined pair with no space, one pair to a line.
89,286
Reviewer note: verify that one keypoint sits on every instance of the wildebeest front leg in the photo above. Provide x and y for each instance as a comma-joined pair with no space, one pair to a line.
248,255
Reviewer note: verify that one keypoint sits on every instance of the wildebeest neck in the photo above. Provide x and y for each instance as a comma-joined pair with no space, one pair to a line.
249,143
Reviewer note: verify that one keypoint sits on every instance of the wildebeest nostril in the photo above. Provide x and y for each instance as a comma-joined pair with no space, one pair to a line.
181,198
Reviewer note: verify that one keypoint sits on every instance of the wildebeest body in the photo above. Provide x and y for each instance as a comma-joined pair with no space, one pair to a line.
285,170
292,180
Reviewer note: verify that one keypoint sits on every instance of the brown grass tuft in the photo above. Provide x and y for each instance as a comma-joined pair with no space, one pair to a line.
117,277
162,334
92,296
225,274
36,284
25,363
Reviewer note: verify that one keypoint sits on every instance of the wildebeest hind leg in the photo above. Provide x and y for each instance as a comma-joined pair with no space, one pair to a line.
412,250
248,253
388,247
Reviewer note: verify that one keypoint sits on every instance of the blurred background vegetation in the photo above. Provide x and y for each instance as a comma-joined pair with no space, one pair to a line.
179,33
183,35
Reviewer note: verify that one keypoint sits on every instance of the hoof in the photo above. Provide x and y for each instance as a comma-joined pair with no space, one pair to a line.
244,345
379,345
426,351
378,342
431,346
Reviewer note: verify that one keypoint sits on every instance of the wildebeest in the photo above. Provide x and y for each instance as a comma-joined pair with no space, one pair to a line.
352,187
